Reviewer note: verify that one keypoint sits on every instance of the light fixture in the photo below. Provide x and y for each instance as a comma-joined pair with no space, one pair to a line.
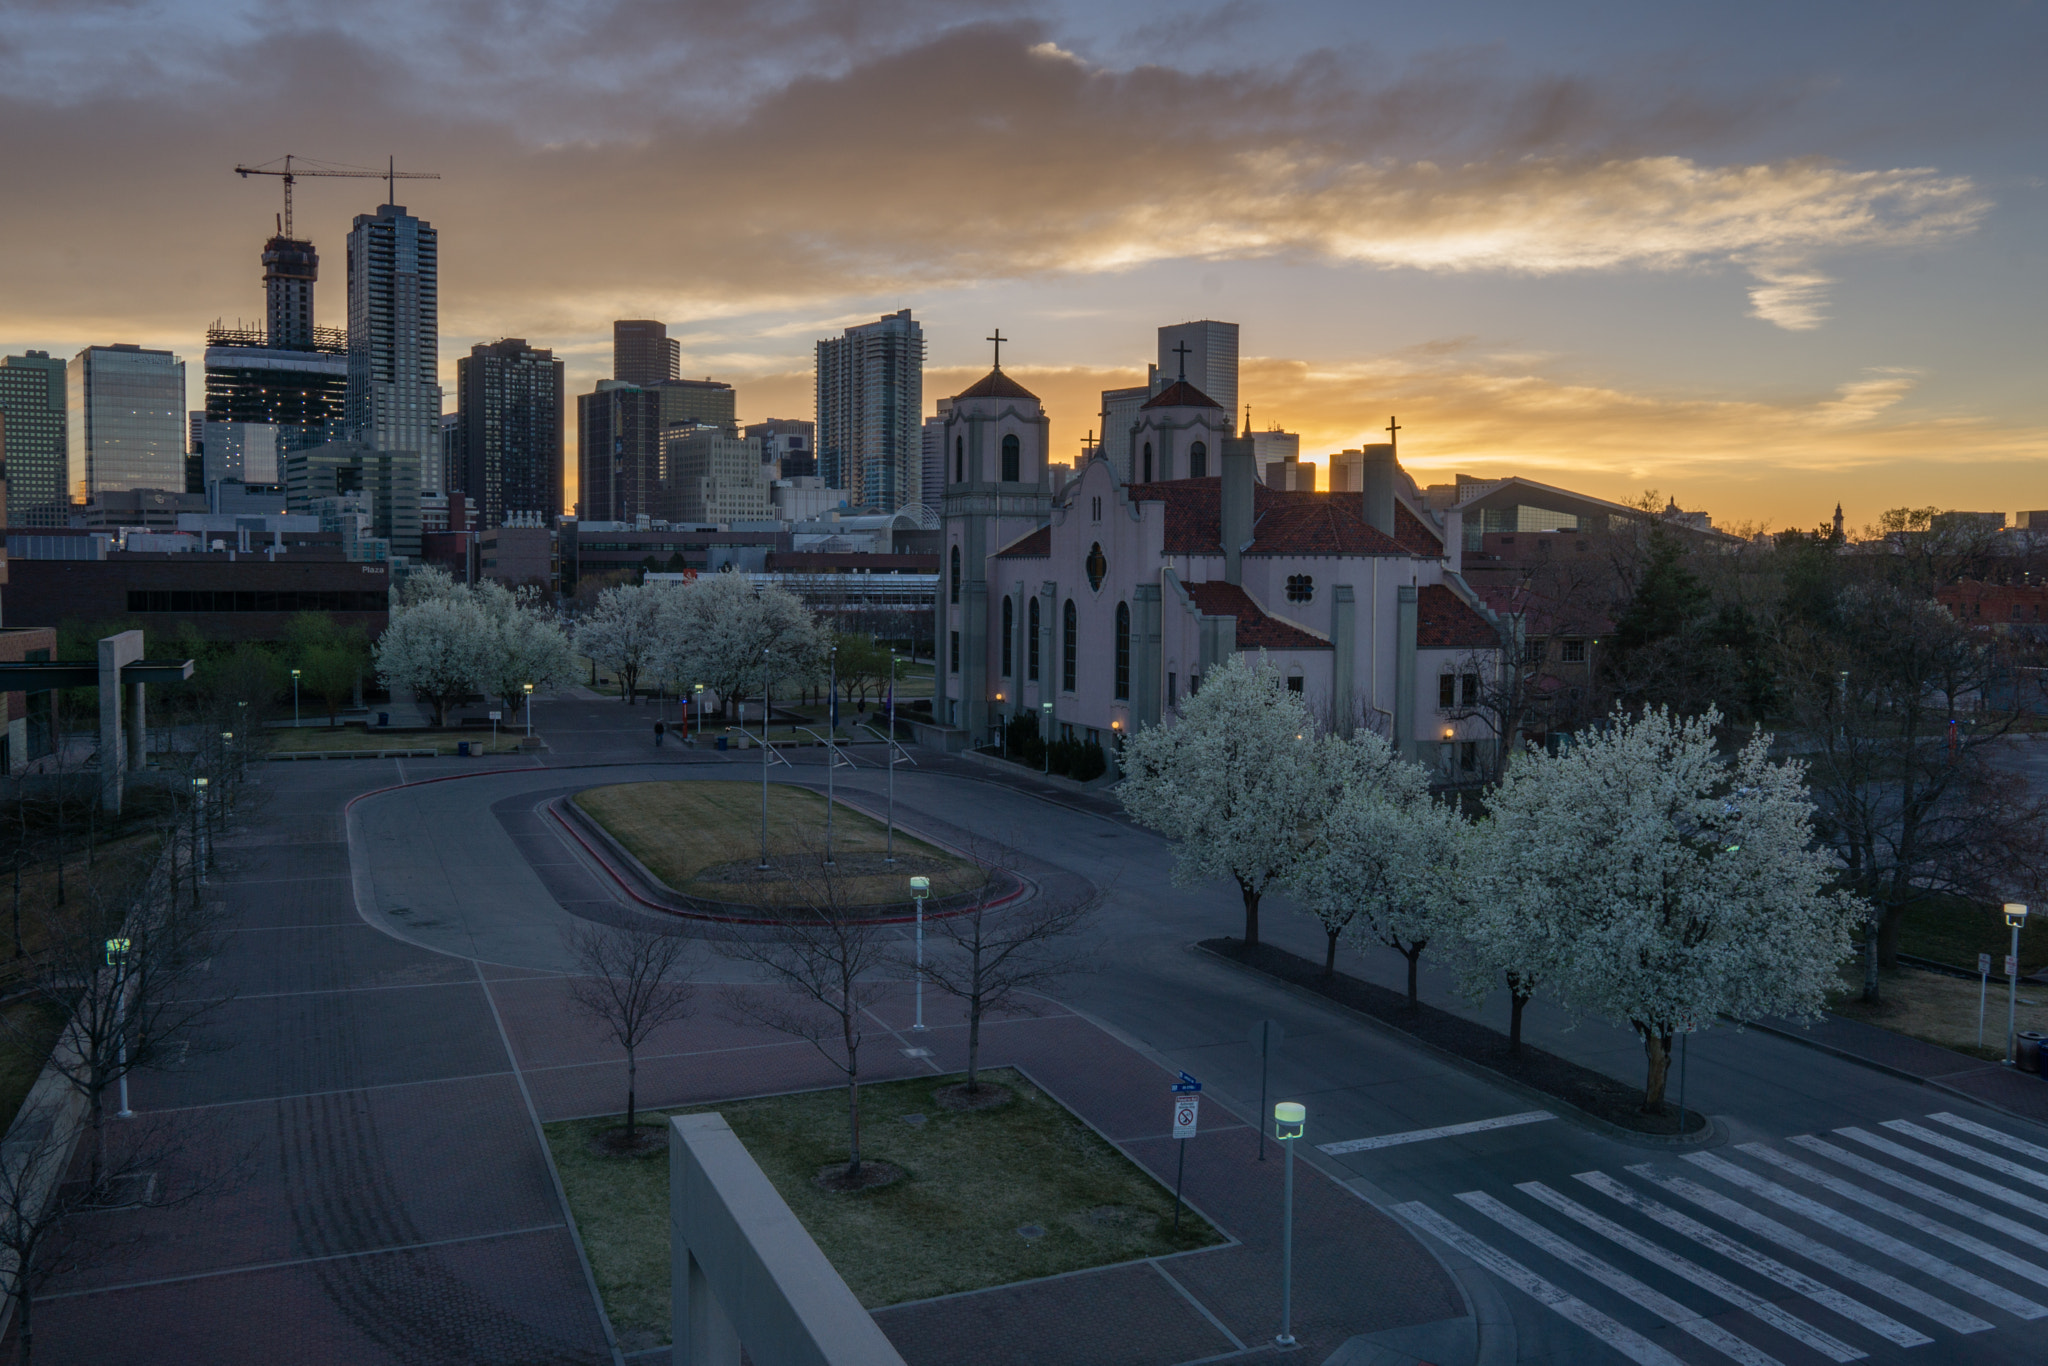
1449,733
1288,1118
920,887
2015,914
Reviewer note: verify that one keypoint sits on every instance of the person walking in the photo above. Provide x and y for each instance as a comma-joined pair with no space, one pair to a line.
659,730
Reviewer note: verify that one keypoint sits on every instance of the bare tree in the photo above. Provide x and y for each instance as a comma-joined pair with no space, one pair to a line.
830,962
991,958
633,981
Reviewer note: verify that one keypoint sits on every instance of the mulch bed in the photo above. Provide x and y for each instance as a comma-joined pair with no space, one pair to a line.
1594,1092
872,1175
958,1097
645,1139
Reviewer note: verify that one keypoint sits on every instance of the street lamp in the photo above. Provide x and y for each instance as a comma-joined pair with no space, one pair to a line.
831,742
1289,1119
529,711
295,699
698,703
1048,737
767,705
200,854
2016,918
920,888
117,959
895,663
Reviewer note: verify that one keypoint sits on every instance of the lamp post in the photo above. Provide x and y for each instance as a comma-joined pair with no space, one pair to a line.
920,888
295,699
2015,917
202,854
889,851
766,703
1289,1119
1048,737
831,744
529,711
697,702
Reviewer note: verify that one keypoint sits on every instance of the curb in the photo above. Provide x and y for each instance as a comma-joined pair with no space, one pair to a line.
1712,1135
1890,1071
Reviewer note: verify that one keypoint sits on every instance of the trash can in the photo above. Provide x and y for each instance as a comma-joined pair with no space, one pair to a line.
462,748
2029,1050
383,718
721,742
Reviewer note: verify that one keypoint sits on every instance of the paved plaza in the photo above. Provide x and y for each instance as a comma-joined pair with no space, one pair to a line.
399,1032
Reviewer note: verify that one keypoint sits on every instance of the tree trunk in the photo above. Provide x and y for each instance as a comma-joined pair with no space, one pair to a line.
852,1088
1657,1048
1413,953
1251,914
1871,952
632,1073
1519,991
25,1300
973,1045
1889,921
1330,954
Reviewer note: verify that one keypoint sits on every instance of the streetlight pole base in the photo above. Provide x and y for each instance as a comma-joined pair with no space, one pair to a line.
1285,1342
919,1029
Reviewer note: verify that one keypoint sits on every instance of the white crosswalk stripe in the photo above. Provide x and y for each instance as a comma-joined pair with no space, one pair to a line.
1622,1338
1619,1280
1964,1150
1787,1323
1969,1126
1897,1249
1870,1200
1954,1204
1663,1306
1869,1277
1854,1310
1945,1171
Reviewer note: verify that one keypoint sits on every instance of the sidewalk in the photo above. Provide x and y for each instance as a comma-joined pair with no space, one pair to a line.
2017,1093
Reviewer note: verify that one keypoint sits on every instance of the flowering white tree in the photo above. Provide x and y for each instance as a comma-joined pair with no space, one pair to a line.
625,631
529,645
735,637
1232,781
440,649
424,582
1649,879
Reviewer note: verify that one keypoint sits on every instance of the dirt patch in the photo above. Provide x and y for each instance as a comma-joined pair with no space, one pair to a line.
872,1176
1596,1093
958,1097
1939,1009
645,1139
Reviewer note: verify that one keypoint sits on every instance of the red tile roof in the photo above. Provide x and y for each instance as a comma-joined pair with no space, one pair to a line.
996,384
1445,621
1284,522
1032,545
1181,394
1255,630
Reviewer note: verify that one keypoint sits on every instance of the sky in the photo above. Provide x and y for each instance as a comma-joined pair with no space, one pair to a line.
1758,257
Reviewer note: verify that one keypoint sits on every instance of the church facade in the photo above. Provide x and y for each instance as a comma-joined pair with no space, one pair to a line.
1111,596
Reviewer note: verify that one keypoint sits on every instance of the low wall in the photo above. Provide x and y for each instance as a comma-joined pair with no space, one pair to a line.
744,1272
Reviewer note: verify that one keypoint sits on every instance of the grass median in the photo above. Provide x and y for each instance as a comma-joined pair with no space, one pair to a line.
973,1180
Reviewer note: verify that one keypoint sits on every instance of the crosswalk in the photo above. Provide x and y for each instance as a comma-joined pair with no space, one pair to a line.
1822,1247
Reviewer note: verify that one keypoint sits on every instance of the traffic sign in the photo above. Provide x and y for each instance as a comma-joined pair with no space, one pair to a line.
2012,966
1185,1109
496,715
1186,1086
1983,964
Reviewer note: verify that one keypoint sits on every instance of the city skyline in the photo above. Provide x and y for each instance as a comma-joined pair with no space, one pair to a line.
1706,254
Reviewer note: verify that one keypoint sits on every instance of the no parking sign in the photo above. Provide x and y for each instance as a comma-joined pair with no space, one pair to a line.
1185,1110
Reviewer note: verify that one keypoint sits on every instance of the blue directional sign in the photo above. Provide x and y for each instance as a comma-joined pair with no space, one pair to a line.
1187,1085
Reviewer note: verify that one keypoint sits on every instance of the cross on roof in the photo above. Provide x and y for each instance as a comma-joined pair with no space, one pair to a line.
1392,428
1181,350
998,339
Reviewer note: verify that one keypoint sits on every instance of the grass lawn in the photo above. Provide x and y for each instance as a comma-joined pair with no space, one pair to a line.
704,839
973,1180
31,1032
1940,1009
306,739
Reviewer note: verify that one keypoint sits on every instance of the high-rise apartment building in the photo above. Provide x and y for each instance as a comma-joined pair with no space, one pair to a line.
1211,359
124,421
712,476
618,443
789,446
394,309
870,412
387,481
291,375
290,267
698,403
932,452
509,400
643,353
32,445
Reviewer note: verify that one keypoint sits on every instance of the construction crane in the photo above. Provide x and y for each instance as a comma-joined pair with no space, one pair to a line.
294,167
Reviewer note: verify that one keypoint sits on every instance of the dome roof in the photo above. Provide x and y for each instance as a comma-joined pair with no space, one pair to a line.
996,384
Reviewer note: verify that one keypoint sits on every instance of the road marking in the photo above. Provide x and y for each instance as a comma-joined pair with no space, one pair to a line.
2011,1228
1869,1277
1625,1340
1976,1155
1663,1306
1971,1126
1939,1168
1477,1126
1693,1273
1857,1312
1997,1256
1969,1282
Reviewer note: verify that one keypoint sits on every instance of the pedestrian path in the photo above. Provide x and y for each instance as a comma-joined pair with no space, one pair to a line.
1860,1244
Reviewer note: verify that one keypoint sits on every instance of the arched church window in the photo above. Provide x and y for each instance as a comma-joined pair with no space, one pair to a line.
1198,461
959,459
953,591
1148,462
1009,631
1300,588
1123,649
1070,633
1031,643
1012,458
1097,565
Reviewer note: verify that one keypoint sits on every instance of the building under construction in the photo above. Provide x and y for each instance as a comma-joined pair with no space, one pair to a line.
290,374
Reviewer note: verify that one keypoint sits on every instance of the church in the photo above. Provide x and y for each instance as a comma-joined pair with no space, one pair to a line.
1097,604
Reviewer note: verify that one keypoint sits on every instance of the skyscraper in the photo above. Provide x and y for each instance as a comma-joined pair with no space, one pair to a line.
697,403
32,445
643,353
789,446
394,398
870,411
290,267
291,374
124,420
618,444
509,398
1211,359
